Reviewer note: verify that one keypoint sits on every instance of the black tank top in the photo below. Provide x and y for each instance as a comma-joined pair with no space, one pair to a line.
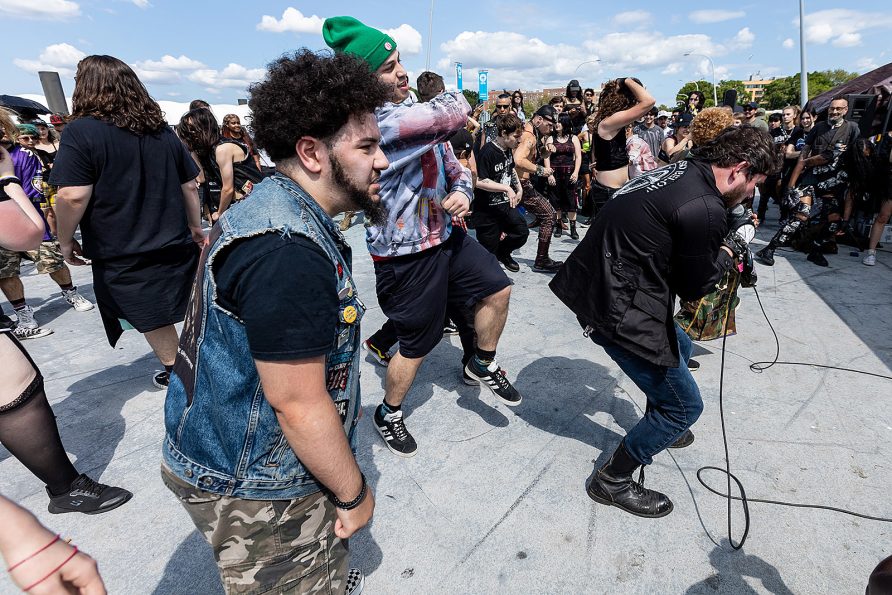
610,154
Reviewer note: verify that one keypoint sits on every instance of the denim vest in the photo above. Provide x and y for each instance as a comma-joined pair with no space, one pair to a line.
222,434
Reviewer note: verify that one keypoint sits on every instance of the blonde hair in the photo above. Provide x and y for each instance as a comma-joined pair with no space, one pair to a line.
708,123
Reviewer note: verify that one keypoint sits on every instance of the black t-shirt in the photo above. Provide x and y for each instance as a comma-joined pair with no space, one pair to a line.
498,166
285,292
137,204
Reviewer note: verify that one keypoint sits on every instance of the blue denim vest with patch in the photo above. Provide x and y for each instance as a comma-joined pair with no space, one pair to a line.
222,434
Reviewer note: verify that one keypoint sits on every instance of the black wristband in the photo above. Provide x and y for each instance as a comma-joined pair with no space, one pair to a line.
352,503
7,180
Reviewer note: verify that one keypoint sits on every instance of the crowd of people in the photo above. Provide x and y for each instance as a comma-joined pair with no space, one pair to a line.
261,418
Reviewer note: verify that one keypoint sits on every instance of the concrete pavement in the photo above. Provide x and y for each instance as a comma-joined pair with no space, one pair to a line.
495,500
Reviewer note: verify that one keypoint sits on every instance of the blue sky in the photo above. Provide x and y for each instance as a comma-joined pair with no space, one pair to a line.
187,49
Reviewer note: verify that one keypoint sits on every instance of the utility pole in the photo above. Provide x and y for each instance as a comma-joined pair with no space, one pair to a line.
430,35
803,73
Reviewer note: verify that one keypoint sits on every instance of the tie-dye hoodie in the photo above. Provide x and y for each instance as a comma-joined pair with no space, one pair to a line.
423,171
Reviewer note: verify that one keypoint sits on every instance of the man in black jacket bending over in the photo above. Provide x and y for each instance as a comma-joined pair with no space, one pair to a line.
664,234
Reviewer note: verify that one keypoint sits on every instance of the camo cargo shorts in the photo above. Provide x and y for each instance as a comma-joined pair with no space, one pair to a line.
268,546
47,259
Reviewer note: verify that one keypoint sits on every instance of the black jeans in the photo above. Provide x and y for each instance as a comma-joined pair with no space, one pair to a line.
491,221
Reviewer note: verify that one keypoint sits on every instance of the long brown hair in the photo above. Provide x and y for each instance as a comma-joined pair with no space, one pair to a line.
199,131
107,89
615,97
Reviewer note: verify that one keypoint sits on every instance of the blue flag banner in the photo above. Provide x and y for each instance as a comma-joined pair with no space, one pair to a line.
458,81
483,84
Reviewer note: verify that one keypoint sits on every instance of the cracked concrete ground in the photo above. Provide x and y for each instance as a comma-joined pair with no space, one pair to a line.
495,499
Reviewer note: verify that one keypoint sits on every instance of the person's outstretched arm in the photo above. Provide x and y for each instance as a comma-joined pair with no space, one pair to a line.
41,562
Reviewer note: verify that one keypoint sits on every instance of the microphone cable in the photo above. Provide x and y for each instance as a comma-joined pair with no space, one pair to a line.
759,367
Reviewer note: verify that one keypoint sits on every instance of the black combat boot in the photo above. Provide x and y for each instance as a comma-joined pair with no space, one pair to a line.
613,485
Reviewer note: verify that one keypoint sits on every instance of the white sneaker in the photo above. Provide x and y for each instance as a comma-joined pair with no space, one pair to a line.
76,300
22,333
25,318
870,259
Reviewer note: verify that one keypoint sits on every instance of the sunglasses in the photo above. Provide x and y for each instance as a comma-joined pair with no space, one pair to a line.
503,107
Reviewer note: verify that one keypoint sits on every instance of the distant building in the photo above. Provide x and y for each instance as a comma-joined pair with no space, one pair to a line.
756,87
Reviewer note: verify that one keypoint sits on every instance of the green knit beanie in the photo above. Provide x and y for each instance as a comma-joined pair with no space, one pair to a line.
348,35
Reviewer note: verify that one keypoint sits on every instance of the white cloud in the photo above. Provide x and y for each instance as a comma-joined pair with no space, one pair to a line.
632,17
233,76
842,26
715,16
40,9
519,61
59,57
168,62
866,64
407,39
789,43
292,20
166,71
743,39
141,3
847,40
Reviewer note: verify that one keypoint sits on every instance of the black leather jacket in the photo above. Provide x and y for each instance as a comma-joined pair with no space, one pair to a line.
657,238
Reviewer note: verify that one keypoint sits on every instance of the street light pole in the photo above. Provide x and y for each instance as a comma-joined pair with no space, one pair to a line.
715,92
430,34
803,73
584,63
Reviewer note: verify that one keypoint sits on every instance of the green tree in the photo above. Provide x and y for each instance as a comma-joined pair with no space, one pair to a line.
785,91
471,96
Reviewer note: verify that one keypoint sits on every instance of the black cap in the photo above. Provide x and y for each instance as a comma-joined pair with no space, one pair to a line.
751,105
548,112
684,120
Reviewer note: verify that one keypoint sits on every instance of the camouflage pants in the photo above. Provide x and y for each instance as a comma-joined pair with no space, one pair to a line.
47,259
268,546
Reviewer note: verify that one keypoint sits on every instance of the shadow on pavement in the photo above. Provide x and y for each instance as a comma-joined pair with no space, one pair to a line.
731,568
561,395
191,569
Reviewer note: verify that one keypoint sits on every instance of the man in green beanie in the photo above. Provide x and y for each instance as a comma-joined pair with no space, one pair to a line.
423,265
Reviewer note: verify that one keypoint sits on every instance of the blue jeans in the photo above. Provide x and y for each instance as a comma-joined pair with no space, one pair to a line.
673,398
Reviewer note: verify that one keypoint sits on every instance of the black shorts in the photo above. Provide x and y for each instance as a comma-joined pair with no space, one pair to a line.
413,290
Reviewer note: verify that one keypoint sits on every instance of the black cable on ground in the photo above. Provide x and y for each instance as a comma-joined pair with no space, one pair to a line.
759,367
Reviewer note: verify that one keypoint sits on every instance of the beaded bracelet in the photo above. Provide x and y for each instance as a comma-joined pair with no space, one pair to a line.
20,562
353,503
53,571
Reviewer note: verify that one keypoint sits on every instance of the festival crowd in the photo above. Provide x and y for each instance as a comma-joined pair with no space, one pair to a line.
185,224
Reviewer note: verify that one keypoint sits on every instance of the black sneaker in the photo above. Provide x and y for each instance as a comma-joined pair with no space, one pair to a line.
547,266
378,355
450,329
394,432
693,365
492,377
161,379
87,496
510,264
355,582
816,257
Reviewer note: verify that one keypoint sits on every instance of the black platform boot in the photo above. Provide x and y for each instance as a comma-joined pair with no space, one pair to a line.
613,485
781,238
573,234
